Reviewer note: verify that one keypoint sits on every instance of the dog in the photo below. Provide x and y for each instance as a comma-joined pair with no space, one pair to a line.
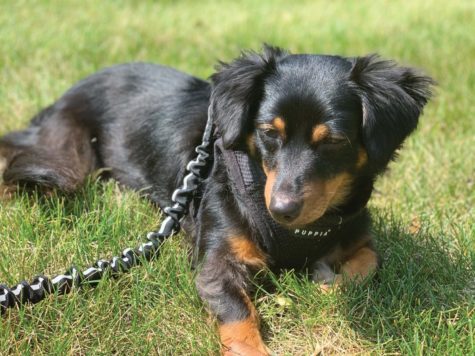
315,131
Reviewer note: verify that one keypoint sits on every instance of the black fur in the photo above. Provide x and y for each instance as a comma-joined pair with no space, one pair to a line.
238,89
141,122
393,98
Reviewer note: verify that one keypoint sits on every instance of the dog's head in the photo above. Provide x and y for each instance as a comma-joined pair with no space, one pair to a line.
316,123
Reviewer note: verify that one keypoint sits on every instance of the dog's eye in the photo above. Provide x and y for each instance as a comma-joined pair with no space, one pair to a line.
270,139
335,140
271,133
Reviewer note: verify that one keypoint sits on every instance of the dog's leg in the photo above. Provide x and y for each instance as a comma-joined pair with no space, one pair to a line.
224,284
356,267
4,191
55,151
362,264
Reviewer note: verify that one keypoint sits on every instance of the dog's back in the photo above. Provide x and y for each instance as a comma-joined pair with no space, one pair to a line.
110,111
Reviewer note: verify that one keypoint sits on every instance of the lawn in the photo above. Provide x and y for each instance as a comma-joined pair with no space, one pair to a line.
424,299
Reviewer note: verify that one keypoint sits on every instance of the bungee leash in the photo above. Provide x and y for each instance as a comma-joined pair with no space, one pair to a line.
41,286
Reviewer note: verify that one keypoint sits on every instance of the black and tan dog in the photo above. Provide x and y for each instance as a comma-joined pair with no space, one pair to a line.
319,129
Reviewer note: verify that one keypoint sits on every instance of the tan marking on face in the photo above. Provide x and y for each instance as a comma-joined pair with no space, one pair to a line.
362,158
319,132
279,125
321,195
247,252
243,336
270,181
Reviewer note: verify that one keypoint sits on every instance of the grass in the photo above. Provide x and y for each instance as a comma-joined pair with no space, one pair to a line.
424,299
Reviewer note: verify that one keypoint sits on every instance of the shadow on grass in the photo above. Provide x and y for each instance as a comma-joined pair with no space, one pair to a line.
423,297
422,300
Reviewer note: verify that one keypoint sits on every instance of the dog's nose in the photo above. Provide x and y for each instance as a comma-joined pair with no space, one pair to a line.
285,208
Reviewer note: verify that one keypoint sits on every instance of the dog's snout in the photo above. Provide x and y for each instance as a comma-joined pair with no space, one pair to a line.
285,208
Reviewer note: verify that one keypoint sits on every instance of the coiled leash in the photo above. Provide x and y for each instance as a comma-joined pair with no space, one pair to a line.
41,286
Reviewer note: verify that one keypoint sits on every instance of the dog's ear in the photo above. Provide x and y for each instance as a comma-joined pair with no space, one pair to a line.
237,92
392,98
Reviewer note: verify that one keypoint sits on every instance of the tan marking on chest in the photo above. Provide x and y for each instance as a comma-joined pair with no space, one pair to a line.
247,252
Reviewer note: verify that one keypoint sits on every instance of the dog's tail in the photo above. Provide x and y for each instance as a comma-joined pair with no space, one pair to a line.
54,152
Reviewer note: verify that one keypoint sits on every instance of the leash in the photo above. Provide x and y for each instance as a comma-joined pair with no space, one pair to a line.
41,286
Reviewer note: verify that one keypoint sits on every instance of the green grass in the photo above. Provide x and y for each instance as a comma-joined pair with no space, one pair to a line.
424,299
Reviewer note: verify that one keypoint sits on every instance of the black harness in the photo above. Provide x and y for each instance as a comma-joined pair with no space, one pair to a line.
294,248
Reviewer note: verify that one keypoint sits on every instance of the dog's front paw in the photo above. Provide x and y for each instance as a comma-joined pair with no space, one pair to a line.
241,348
325,277
242,338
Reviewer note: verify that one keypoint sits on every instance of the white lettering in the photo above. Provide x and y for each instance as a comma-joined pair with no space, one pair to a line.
311,233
